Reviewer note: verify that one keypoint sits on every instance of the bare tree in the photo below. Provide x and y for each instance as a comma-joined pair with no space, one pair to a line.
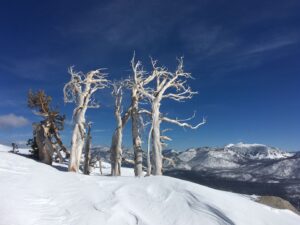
121,120
169,85
139,80
80,90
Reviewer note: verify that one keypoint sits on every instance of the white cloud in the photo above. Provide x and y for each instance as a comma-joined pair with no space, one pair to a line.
11,120
271,45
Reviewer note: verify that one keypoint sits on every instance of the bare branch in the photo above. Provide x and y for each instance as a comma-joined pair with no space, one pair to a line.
144,111
82,86
183,124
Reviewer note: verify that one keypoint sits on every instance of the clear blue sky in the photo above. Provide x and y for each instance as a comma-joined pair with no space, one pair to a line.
245,56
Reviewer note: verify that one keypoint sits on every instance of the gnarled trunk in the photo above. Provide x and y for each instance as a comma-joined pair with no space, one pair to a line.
116,152
149,167
45,152
116,142
157,148
77,146
87,152
78,138
61,145
136,139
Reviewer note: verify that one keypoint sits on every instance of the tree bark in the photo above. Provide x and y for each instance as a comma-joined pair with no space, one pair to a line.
44,154
116,142
61,145
116,152
157,148
149,167
77,146
136,139
87,152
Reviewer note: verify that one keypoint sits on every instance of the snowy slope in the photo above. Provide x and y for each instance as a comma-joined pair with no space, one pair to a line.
4,148
34,193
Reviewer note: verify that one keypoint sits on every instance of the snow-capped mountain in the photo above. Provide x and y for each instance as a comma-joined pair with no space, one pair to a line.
256,151
231,156
249,158
242,161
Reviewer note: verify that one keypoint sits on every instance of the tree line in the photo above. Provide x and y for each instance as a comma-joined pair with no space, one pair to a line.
148,91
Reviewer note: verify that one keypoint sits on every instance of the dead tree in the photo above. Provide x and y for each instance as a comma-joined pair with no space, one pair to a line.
139,80
121,120
80,90
46,133
87,150
168,85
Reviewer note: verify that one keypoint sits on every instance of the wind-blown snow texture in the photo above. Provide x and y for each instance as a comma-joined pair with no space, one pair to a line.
35,193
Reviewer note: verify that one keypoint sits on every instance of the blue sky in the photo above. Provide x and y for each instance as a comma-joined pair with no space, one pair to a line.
244,55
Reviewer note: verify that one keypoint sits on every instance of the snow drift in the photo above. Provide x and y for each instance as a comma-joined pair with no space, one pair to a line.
35,193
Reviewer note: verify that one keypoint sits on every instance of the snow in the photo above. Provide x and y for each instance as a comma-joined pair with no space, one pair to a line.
106,170
257,151
188,155
4,148
35,193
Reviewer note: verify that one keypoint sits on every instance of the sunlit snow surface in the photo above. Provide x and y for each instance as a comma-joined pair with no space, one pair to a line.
34,193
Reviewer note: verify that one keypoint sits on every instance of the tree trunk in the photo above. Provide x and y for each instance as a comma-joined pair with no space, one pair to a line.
148,152
136,139
59,142
61,159
157,148
49,148
116,142
44,153
116,152
87,152
77,146
78,136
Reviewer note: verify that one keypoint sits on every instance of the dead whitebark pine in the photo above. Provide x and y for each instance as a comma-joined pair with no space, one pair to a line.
121,120
80,90
169,85
139,80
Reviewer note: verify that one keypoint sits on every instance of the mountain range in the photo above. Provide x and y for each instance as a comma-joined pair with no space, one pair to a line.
245,168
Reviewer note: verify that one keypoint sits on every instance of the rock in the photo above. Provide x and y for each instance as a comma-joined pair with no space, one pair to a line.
277,202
